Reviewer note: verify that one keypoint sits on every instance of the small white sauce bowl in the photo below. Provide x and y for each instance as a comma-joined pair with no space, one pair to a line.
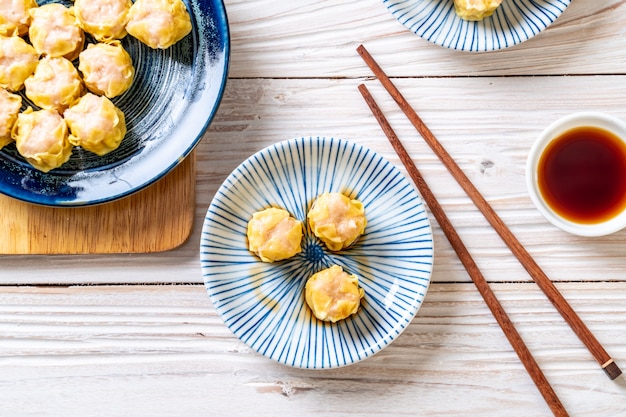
553,131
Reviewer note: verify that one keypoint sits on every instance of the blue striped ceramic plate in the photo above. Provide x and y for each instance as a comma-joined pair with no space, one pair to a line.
514,22
263,303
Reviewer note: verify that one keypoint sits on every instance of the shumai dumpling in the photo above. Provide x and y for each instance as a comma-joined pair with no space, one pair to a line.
18,60
54,32
158,23
274,235
15,16
107,68
475,9
105,20
41,138
55,85
333,294
96,124
337,220
10,105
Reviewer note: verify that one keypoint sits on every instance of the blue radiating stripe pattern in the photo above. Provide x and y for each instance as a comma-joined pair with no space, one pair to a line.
263,303
514,21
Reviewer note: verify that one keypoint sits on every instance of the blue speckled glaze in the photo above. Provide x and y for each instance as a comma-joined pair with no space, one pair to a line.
172,101
263,303
514,21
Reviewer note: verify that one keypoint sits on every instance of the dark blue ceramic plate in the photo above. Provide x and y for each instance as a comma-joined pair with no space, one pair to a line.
173,99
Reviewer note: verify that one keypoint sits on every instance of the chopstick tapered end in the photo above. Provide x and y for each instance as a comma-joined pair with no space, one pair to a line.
369,60
612,370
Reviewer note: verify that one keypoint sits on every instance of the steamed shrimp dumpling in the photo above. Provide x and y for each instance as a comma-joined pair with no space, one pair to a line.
274,235
105,20
18,60
55,84
333,294
475,9
54,32
41,138
96,124
10,105
107,68
15,16
159,23
337,220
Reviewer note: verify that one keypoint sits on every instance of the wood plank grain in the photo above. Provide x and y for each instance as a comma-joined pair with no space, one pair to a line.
155,219
487,124
163,350
313,38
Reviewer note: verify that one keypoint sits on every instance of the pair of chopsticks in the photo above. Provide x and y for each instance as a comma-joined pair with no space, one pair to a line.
542,280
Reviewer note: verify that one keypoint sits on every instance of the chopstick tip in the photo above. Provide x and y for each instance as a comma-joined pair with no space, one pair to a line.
612,370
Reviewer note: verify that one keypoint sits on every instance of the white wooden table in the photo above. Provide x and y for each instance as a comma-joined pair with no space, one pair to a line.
136,335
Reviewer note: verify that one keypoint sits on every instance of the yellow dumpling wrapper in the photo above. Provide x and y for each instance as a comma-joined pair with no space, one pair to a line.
107,68
15,16
54,31
475,9
105,20
18,60
273,234
41,138
333,294
96,124
55,85
158,23
337,220
10,105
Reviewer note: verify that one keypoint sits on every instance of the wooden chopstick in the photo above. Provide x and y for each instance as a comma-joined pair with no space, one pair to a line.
543,282
468,262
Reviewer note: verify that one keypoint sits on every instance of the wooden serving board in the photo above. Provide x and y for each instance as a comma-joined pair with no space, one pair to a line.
157,218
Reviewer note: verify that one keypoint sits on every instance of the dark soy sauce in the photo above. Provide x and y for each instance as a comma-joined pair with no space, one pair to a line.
582,175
